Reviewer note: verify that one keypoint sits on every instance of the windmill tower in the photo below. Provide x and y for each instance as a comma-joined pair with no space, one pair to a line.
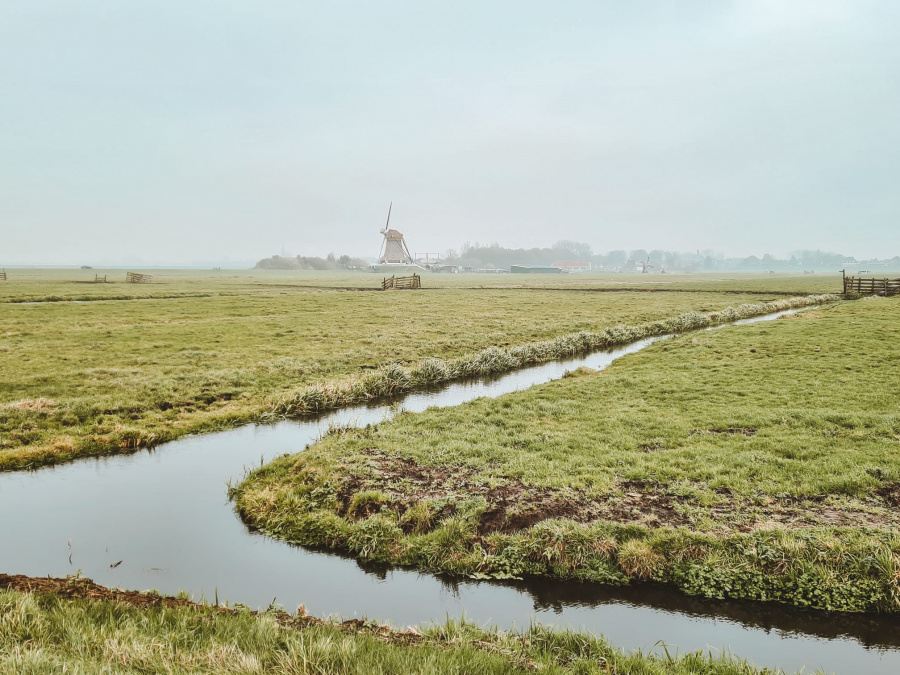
393,248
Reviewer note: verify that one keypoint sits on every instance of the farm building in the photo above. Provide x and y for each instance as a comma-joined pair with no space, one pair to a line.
572,266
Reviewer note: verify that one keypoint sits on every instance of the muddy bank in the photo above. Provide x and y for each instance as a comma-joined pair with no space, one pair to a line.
512,506
81,588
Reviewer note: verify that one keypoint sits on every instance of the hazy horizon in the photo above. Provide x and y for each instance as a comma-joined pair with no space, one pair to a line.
223,133
237,264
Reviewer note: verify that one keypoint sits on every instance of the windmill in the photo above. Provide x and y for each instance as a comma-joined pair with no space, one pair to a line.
393,248
646,265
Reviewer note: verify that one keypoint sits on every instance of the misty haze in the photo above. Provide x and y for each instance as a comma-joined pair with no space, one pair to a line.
450,338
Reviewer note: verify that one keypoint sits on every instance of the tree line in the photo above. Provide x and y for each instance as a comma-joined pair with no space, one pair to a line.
494,255
300,262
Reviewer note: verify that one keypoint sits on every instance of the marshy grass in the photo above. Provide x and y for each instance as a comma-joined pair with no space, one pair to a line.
754,462
47,633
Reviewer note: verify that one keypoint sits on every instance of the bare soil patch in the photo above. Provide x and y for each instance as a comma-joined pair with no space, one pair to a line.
83,588
79,587
513,506
890,493
731,431
803,315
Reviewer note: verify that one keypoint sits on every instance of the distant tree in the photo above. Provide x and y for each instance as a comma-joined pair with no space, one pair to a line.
331,262
814,259
751,262
494,255
573,249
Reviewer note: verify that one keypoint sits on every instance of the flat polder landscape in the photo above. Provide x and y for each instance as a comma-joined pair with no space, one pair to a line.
723,462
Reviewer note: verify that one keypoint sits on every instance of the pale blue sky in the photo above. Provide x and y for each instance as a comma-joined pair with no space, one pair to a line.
176,132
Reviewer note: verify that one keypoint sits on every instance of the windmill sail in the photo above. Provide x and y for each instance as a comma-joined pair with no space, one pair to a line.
391,206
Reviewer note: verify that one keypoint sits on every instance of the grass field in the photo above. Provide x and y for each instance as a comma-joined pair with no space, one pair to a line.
102,368
32,285
744,462
757,461
73,626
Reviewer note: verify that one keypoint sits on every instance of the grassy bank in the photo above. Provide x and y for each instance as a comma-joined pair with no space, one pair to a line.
74,626
756,462
396,379
132,365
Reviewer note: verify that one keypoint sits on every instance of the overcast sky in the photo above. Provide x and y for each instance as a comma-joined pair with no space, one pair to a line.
172,132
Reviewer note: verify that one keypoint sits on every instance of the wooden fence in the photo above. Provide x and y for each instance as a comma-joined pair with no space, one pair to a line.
99,280
415,281
3,275
136,278
871,286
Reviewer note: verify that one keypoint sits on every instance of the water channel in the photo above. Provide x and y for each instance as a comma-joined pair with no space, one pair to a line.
165,515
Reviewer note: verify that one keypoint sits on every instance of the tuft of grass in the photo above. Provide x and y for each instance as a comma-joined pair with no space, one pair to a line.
638,559
366,503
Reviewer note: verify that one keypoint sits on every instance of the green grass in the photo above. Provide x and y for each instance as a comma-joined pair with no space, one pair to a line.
75,284
132,365
758,461
47,633
395,379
